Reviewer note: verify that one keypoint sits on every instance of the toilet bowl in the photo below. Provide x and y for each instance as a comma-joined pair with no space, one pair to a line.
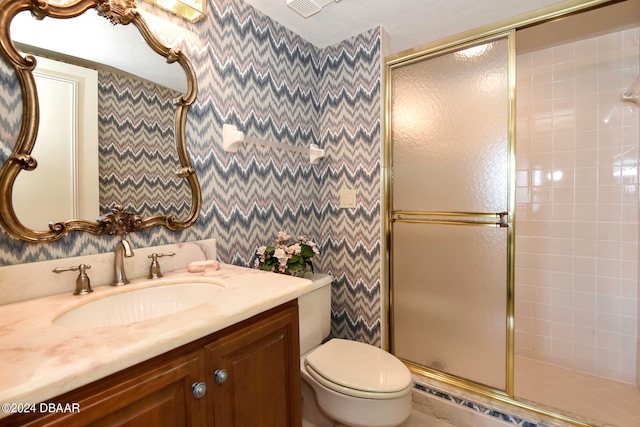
352,383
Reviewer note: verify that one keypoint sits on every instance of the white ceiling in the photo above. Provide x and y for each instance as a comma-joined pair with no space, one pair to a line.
409,23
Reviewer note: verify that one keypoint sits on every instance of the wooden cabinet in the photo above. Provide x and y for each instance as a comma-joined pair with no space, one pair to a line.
251,386
259,356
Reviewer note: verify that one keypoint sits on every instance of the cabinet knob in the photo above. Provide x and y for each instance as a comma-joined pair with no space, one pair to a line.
199,390
221,376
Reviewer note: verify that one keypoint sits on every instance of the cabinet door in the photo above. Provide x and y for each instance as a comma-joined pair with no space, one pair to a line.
262,387
157,396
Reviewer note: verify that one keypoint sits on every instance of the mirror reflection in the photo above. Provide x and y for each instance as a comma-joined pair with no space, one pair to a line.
65,184
110,148
106,138
93,41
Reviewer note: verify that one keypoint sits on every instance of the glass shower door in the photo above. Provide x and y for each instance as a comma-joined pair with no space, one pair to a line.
450,222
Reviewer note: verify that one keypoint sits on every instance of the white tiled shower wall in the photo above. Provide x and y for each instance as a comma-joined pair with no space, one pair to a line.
577,206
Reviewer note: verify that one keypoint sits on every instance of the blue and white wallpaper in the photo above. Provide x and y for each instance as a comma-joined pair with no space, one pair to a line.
137,155
272,85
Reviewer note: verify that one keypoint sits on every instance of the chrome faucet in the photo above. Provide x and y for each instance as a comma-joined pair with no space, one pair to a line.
123,250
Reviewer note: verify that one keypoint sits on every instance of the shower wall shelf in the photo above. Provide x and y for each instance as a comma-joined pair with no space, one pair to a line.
232,139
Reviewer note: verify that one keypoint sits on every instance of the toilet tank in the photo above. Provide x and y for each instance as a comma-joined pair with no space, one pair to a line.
315,312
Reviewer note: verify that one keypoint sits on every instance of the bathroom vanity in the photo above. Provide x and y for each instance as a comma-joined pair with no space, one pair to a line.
244,375
216,348
228,361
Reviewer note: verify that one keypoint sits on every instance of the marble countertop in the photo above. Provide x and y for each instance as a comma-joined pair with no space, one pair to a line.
41,360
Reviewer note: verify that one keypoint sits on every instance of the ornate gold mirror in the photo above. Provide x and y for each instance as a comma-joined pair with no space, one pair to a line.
159,185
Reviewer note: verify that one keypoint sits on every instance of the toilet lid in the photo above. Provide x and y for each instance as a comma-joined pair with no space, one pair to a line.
358,369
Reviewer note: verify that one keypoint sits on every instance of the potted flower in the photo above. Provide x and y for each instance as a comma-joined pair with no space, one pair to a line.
286,257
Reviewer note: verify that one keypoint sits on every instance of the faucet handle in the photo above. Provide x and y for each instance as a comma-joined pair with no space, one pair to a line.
154,268
83,283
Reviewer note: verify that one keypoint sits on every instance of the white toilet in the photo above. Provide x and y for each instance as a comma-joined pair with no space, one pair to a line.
346,382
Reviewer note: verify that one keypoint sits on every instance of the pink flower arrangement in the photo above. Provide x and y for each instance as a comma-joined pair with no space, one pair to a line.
285,257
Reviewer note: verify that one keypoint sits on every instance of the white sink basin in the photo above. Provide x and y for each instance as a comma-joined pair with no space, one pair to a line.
138,305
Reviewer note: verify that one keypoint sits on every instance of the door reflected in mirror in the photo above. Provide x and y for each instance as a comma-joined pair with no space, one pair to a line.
65,185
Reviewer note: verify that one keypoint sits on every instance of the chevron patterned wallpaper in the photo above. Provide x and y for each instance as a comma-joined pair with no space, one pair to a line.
272,85
11,108
138,159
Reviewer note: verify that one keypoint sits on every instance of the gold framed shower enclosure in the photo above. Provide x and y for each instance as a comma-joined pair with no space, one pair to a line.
502,220
420,233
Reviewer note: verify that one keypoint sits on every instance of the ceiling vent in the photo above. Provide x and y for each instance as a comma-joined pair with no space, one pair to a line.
307,8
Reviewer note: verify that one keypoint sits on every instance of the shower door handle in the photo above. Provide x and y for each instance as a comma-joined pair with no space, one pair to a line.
491,219
504,219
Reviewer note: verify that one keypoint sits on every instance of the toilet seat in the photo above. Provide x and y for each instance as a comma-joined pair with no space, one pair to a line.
359,370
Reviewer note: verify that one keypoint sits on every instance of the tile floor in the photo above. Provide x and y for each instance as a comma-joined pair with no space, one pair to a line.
418,419
589,397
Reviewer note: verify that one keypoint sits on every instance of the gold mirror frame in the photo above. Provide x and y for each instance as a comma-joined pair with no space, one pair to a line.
119,221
